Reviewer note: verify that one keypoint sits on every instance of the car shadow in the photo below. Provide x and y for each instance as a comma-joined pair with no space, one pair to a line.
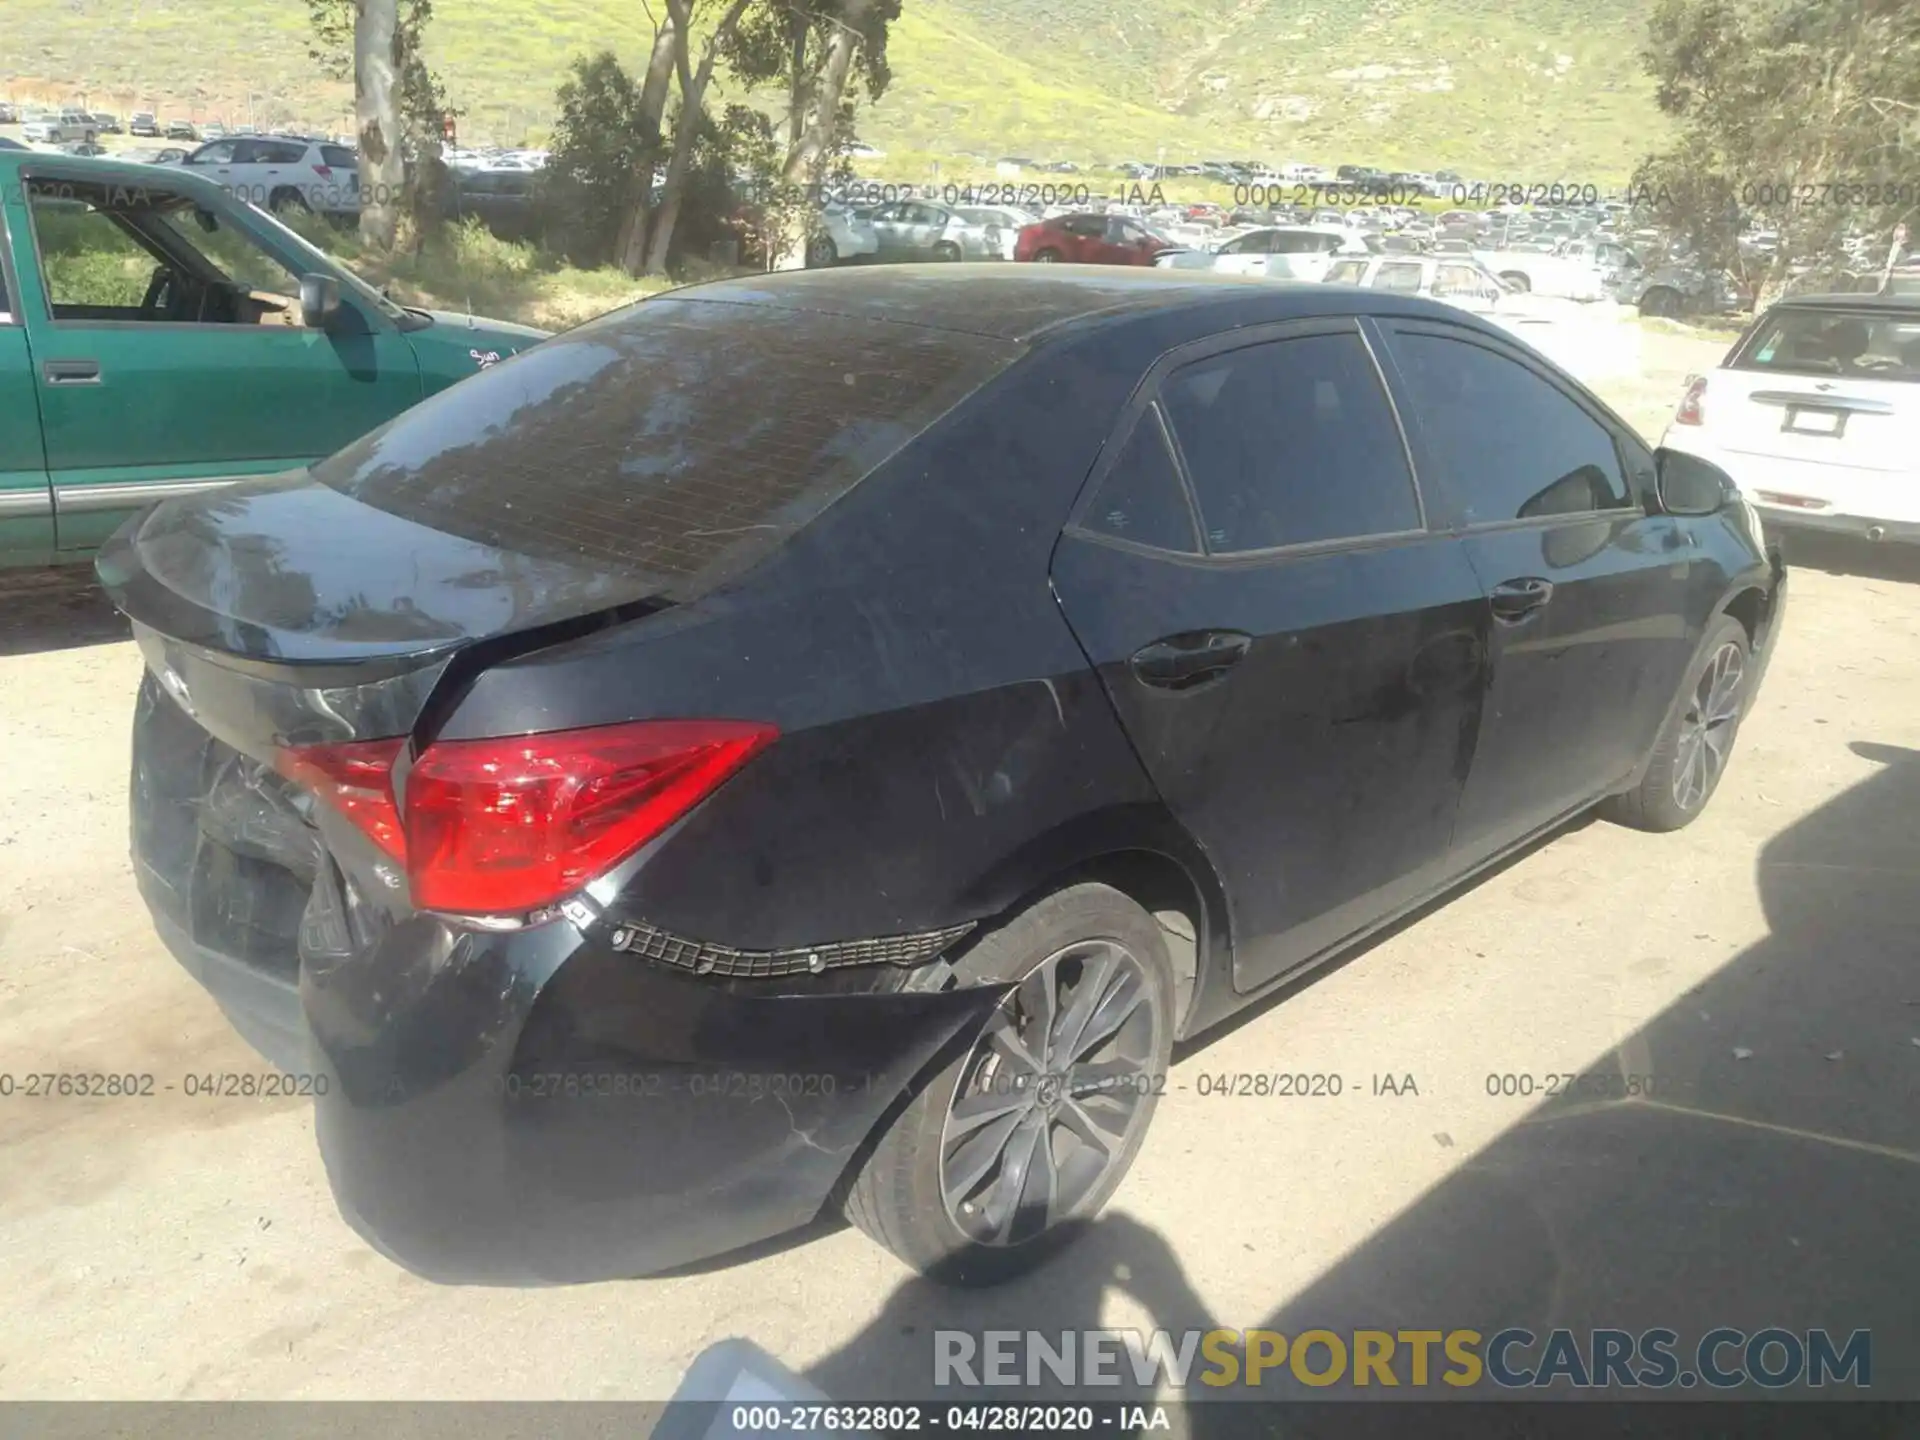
56,609
1845,555
1771,1179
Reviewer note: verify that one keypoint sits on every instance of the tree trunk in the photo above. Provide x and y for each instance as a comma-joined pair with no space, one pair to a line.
803,158
376,111
632,249
693,93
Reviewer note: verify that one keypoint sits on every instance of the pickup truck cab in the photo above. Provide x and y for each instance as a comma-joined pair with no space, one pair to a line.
159,338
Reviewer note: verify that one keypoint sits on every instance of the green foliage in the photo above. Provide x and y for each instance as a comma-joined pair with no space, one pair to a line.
599,145
1803,115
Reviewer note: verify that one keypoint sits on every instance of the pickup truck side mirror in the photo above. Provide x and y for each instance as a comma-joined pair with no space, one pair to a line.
319,301
1688,485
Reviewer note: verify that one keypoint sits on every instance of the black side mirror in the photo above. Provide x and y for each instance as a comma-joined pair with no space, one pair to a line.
319,301
1689,485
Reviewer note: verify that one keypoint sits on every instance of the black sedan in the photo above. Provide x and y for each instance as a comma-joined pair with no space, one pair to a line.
819,739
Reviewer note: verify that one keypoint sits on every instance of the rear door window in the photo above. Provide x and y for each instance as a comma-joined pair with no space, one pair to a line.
1511,445
1291,442
1141,498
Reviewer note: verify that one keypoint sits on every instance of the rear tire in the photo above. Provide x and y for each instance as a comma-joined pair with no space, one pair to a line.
288,202
984,1173
822,253
1696,743
1518,280
946,251
1660,301
1048,256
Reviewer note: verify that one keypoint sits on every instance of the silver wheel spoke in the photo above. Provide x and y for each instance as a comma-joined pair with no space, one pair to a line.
1088,1129
977,1110
1019,1162
973,1159
1002,1035
1095,974
1123,997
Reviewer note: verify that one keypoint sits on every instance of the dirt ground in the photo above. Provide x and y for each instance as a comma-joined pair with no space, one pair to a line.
1760,966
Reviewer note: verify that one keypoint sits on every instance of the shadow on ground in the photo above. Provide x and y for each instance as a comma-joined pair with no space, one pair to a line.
55,610
1773,1179
1844,555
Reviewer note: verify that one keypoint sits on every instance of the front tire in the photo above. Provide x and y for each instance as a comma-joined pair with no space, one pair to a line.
822,253
1004,1153
1518,280
946,252
1695,744
1048,257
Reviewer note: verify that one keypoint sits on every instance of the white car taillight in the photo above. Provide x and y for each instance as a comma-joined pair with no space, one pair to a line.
1691,411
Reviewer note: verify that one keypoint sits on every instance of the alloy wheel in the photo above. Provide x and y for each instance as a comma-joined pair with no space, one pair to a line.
1052,1095
1706,730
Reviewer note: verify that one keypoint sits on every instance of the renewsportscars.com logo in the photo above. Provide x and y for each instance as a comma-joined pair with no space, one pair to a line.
1513,1359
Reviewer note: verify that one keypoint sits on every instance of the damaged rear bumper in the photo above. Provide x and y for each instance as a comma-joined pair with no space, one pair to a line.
538,1108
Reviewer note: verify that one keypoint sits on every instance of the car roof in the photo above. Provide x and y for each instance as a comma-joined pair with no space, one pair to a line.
1859,300
1023,302
128,172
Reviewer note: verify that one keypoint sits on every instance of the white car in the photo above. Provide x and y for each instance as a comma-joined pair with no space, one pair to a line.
1572,270
282,173
1456,280
1275,252
999,227
1816,415
839,234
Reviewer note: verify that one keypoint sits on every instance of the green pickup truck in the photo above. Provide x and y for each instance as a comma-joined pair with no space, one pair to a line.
158,337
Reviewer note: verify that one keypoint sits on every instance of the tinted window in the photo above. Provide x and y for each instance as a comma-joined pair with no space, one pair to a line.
1141,498
1347,272
1513,446
1258,243
676,439
338,155
1291,442
1084,225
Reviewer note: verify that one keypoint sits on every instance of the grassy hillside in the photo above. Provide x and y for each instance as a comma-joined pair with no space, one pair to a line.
1533,92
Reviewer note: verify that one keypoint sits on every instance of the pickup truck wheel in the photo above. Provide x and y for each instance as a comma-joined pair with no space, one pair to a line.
1517,280
1660,300
1002,1155
1694,745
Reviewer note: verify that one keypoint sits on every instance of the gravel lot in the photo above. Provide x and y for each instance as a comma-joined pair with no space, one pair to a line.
1759,965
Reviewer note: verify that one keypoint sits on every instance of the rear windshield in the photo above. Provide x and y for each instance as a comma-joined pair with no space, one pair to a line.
1861,344
678,439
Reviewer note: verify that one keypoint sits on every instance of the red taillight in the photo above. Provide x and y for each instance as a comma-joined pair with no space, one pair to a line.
1690,412
325,172
511,825
357,780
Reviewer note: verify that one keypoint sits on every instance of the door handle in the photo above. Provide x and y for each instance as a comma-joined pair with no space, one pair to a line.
1515,600
1183,661
71,372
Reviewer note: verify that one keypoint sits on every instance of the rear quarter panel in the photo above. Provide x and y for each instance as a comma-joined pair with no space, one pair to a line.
944,745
